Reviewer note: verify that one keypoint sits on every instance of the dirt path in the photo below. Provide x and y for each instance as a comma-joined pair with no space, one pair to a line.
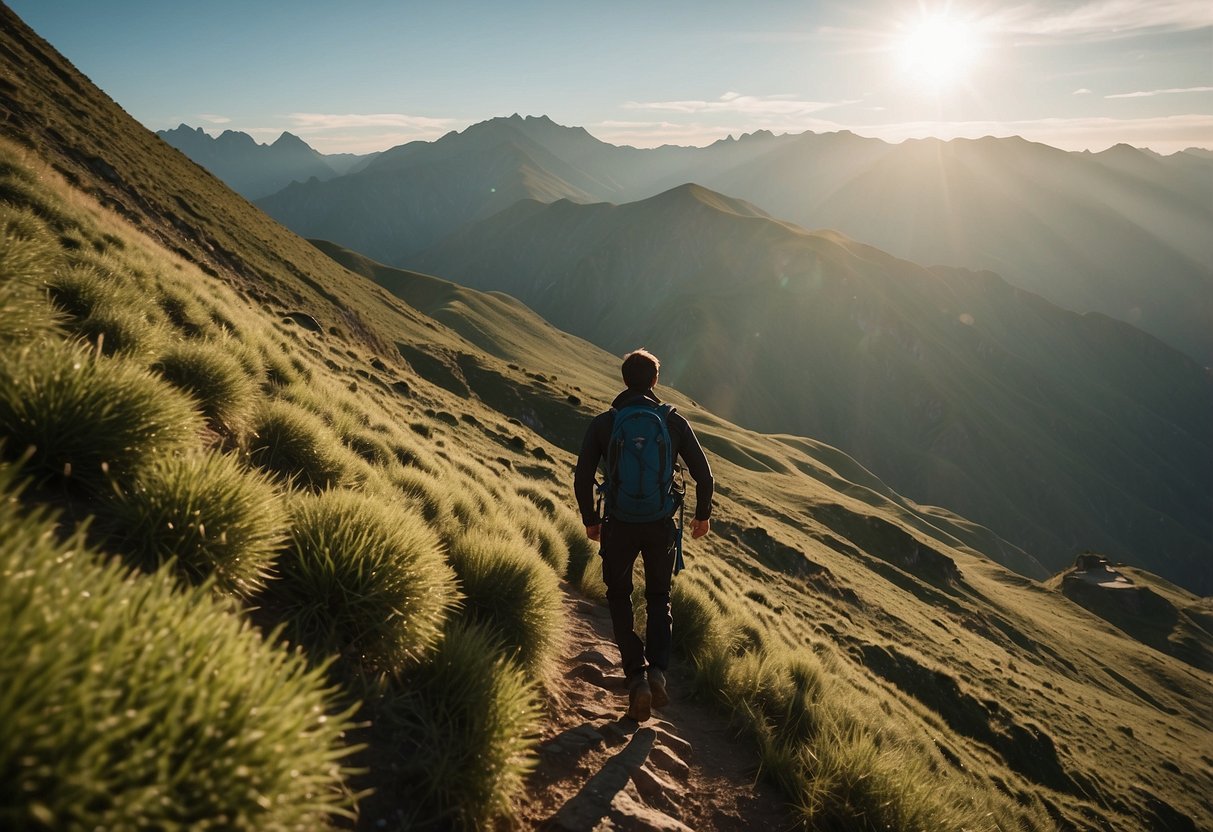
683,769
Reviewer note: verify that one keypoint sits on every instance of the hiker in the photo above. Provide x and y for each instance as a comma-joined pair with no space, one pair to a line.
639,438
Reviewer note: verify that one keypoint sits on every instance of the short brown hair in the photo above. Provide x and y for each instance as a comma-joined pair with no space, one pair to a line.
640,368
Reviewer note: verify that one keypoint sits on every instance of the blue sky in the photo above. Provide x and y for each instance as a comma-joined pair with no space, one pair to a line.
368,74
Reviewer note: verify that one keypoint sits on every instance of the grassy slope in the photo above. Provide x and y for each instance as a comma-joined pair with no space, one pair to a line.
849,589
1003,638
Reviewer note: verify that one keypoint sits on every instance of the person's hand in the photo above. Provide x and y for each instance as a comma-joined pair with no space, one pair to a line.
700,527
593,532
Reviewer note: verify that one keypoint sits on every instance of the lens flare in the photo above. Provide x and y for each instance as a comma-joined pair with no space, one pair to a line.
938,52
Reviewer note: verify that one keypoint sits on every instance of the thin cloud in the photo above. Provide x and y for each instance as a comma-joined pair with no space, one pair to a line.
1151,93
1164,134
214,119
696,133
736,103
347,121
1081,91
1107,18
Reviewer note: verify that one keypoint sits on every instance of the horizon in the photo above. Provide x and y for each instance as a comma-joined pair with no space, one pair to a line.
217,132
1084,75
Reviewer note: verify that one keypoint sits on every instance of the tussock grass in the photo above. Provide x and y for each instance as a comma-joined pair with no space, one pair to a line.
467,724
215,518
698,632
131,704
512,594
117,329
369,445
88,417
363,580
183,311
583,552
209,373
295,446
425,489
78,291
102,310
28,255
538,531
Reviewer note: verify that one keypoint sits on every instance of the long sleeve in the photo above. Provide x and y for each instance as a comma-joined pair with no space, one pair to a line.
587,467
697,466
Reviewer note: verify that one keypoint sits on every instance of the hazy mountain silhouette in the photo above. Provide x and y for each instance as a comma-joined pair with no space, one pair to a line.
1122,232
1058,430
255,170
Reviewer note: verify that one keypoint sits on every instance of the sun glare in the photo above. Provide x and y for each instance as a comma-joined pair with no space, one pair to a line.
937,52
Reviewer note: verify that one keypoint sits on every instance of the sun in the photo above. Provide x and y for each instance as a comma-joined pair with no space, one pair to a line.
937,52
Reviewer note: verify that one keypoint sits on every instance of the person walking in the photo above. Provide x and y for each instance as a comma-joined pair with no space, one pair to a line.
639,439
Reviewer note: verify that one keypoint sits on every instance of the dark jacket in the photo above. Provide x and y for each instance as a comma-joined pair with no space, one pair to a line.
682,440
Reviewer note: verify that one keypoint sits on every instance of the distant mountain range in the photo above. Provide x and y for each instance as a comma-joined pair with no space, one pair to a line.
1058,430
255,170
958,388
1123,232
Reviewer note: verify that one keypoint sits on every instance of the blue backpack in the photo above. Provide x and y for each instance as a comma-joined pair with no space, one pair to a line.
639,485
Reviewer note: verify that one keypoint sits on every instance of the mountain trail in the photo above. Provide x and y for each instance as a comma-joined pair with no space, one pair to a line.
683,769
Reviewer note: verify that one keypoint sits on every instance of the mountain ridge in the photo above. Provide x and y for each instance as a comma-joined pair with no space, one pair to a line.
1120,232
253,169
910,370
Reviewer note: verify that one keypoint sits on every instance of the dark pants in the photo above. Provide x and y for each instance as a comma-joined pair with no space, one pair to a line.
654,542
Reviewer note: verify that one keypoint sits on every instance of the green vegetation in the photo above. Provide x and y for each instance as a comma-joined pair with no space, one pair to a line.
205,511
130,703
512,593
881,688
215,378
361,580
464,727
296,447
86,418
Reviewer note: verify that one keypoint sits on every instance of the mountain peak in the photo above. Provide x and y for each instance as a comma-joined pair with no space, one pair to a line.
691,194
290,141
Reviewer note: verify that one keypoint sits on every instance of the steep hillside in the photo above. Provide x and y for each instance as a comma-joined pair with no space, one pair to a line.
1058,430
1144,606
1121,232
254,170
375,482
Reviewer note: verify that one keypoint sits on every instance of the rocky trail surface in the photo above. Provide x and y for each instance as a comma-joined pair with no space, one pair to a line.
683,769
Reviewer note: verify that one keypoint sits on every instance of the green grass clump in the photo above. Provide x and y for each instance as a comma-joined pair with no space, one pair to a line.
78,291
130,703
297,447
583,552
206,511
362,579
215,379
699,632
184,312
117,329
27,256
87,417
512,594
540,533
467,725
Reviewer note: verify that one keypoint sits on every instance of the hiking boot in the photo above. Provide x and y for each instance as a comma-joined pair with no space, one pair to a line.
640,699
661,696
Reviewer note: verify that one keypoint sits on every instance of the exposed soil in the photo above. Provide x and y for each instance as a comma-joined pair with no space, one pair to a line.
683,769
